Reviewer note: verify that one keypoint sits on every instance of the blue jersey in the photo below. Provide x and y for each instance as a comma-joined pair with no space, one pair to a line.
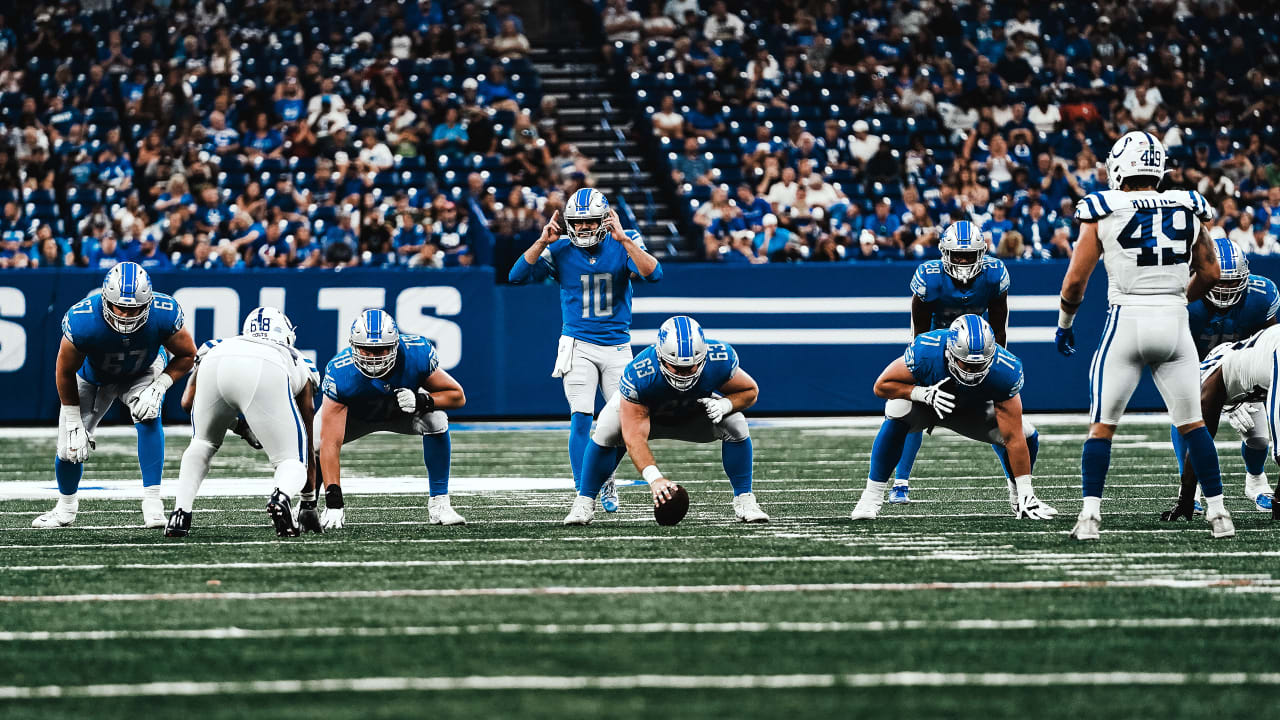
926,358
595,288
1211,326
373,399
932,284
643,382
110,356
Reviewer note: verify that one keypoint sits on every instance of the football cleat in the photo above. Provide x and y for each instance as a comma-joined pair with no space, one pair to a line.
1031,507
1264,501
609,495
179,524
1088,526
1220,524
59,516
153,513
868,506
440,512
308,518
748,510
899,495
1258,489
282,515
582,512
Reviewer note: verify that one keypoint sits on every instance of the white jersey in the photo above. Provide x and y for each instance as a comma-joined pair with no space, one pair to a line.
1247,365
1146,239
300,370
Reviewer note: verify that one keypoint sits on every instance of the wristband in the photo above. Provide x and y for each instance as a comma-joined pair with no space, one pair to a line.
164,381
1065,319
652,473
918,394
71,416
333,497
425,403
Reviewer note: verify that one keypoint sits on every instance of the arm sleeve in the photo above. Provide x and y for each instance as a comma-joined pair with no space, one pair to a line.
920,286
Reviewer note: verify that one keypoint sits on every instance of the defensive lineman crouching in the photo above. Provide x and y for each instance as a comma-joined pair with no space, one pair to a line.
985,406
684,387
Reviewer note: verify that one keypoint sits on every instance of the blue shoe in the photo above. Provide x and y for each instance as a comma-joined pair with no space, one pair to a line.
1263,501
898,495
1199,507
609,496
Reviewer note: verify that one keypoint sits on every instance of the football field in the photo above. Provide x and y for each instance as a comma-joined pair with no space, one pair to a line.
945,607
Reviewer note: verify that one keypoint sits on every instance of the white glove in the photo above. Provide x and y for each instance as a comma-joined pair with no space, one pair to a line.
1240,417
331,519
146,405
1030,508
74,445
407,399
935,397
716,408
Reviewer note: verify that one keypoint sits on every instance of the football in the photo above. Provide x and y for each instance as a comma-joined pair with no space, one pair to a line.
673,511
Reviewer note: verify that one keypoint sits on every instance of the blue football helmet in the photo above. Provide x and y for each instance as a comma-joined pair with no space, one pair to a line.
963,246
584,216
971,349
126,285
682,351
1233,282
375,342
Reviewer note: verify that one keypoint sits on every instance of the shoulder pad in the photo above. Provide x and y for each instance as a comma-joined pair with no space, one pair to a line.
1093,207
1201,206
926,273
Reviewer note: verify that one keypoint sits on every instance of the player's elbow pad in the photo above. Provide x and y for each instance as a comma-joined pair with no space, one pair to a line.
520,272
656,275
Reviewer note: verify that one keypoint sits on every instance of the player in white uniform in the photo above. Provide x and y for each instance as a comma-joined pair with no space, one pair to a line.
1237,374
1158,255
259,376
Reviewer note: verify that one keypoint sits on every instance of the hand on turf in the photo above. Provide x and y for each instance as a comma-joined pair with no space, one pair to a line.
1240,417
332,519
145,405
716,408
1066,340
407,400
74,447
935,397
662,490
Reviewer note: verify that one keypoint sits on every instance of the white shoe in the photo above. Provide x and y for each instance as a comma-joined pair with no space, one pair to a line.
59,516
153,513
868,506
440,512
609,495
1088,527
582,512
1220,524
1013,496
747,509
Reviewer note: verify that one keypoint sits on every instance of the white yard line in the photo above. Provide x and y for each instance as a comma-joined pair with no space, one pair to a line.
632,682
1166,583
712,628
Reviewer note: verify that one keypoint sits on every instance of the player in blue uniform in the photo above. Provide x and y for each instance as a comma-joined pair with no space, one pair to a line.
385,381
964,281
593,263
684,387
125,343
1238,306
962,380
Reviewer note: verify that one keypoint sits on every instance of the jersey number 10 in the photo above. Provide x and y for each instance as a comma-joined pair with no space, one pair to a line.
597,295
1162,236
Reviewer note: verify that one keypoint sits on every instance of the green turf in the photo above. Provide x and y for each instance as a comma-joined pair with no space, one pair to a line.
959,530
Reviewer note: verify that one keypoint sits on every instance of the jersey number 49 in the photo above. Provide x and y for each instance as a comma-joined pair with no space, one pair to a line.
1162,236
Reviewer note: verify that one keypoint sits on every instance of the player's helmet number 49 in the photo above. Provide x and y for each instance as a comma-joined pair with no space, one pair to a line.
1135,153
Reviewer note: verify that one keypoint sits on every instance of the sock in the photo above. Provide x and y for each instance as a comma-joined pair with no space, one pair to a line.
579,436
1255,459
886,451
68,475
1033,449
436,450
151,492
1092,505
875,488
291,476
1180,448
1003,456
1095,458
736,458
1214,505
902,473
598,462
192,471
150,451
1204,460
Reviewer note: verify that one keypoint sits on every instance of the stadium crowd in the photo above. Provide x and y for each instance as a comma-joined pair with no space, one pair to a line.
229,134
858,130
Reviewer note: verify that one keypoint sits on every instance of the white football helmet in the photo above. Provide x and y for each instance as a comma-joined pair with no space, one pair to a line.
268,323
682,351
971,349
963,246
1233,282
375,342
584,216
127,285
1136,153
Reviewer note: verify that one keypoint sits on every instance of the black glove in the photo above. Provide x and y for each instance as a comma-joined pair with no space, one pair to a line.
1180,511
426,403
333,497
242,429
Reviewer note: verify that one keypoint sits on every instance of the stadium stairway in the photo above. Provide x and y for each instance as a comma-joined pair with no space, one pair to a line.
593,118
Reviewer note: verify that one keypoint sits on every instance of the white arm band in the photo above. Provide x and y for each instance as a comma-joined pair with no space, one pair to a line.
1065,318
652,473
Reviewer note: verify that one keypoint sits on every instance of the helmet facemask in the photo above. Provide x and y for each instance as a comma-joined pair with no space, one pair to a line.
682,377
122,322
963,265
1229,290
374,360
585,231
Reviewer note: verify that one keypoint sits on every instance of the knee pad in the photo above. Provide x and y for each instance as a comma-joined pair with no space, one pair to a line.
1027,428
897,409
435,422
201,448
733,428
1256,441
